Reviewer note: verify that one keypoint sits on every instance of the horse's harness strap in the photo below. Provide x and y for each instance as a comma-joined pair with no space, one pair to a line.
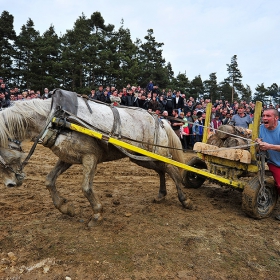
7,166
85,98
116,128
37,139
3,162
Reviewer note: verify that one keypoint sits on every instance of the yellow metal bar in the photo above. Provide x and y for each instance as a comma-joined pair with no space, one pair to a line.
125,145
256,127
207,122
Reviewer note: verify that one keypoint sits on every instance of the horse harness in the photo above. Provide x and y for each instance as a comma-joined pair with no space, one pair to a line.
13,145
66,104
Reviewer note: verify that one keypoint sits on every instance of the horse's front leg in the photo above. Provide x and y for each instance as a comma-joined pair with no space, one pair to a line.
59,202
89,168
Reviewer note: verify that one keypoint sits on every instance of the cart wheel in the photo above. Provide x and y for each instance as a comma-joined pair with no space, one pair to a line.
256,203
191,179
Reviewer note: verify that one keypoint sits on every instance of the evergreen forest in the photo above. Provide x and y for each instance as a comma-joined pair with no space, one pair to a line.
92,54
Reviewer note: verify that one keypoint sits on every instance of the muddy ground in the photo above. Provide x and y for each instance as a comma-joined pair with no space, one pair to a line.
139,239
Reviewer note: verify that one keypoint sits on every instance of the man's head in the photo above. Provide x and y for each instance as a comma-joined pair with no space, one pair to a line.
270,118
217,116
175,112
240,110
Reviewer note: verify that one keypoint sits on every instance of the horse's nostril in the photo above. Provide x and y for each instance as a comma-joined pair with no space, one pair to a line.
11,185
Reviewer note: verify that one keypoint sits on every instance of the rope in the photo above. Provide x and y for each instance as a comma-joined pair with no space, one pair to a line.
209,127
235,147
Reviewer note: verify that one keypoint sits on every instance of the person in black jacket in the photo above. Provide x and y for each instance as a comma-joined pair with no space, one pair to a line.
105,97
131,99
178,101
4,102
169,103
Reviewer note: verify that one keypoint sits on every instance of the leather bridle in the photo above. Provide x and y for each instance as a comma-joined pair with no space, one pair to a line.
18,173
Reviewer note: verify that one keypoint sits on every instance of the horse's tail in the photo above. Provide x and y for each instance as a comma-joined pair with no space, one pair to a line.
174,142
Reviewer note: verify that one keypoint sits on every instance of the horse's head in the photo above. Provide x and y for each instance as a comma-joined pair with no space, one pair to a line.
10,167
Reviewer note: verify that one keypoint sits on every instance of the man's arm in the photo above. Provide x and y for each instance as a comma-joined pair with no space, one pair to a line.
264,146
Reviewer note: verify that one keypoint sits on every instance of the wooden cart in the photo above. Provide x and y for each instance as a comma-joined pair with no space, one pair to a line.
241,167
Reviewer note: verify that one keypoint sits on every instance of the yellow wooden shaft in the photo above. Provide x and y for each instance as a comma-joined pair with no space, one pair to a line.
256,127
207,122
125,145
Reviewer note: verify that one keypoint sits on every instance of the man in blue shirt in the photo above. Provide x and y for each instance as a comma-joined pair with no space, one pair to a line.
241,118
269,140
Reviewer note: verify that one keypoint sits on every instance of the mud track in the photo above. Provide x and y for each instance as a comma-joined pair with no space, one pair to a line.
138,239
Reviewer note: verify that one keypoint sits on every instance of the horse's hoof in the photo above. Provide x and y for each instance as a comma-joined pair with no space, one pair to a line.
188,204
95,221
159,199
71,210
68,209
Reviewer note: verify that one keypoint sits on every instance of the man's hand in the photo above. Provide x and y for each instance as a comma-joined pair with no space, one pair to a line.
263,145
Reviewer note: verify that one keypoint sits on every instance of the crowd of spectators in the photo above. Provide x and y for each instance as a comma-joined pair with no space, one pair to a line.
170,104
10,95
173,105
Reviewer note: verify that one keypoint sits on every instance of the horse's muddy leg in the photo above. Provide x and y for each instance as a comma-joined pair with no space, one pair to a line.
174,173
59,202
162,187
89,168
159,167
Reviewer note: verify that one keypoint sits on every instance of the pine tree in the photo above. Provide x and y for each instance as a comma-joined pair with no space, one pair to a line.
235,77
211,87
273,91
246,93
225,91
7,35
261,93
27,56
125,64
50,69
151,62
182,83
196,87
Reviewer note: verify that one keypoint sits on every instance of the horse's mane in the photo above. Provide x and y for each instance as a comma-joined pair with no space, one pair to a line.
15,120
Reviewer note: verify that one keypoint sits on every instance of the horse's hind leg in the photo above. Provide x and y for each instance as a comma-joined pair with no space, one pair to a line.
159,167
59,202
89,168
162,186
175,175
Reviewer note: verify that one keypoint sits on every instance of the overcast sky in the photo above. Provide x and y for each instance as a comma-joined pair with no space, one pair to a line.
199,36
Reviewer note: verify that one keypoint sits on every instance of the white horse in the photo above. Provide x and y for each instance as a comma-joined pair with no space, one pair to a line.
27,119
